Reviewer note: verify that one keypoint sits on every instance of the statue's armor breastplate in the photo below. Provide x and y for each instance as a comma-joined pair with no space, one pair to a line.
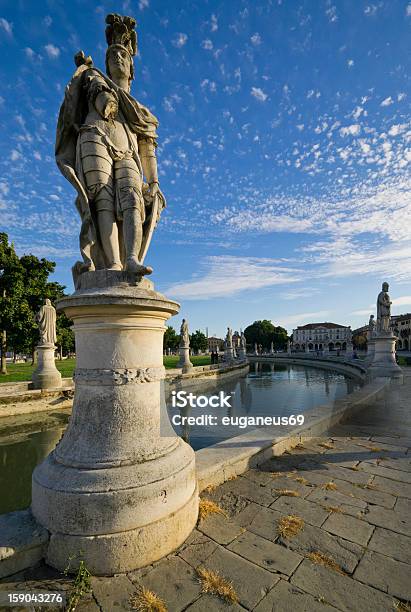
114,129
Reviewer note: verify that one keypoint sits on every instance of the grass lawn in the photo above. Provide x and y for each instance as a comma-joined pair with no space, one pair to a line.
19,372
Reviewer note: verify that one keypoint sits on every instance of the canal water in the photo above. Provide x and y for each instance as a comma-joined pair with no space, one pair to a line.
267,390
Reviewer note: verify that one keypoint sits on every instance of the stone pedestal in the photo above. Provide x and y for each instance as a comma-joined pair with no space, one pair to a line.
383,363
349,351
46,375
229,354
117,491
370,350
242,355
184,361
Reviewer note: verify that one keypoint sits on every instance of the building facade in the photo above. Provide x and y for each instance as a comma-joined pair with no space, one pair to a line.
215,344
401,327
321,336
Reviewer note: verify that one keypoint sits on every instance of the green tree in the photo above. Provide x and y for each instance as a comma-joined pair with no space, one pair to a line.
65,335
11,292
198,341
171,339
264,332
24,285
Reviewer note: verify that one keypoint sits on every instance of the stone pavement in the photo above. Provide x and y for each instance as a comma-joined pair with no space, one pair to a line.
352,491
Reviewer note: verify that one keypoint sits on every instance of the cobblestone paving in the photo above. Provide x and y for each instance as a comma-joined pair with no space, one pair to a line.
352,489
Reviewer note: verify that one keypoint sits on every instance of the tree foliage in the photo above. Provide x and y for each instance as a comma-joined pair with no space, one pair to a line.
24,284
171,339
198,341
264,332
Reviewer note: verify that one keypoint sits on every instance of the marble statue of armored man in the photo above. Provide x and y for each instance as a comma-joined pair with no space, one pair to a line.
383,309
106,147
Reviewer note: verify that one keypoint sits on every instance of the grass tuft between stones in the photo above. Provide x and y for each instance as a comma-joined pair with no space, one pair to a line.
403,606
147,601
212,582
333,508
321,559
81,586
330,486
207,507
288,526
287,492
327,445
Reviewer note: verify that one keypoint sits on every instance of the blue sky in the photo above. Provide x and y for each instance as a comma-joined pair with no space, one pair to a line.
284,149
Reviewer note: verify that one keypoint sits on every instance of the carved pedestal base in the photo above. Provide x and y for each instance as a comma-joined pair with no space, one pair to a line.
116,492
46,375
229,354
185,362
242,353
370,350
383,363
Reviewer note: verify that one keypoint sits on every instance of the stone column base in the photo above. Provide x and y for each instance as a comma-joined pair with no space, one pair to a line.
229,354
383,363
46,375
185,363
119,491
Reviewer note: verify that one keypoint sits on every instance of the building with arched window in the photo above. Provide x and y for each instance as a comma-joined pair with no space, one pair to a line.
321,337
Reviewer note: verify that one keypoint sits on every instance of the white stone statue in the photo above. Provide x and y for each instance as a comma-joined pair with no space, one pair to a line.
371,326
46,319
229,338
184,335
243,341
105,144
383,309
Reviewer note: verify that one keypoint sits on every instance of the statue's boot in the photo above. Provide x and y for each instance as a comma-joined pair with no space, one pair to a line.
133,233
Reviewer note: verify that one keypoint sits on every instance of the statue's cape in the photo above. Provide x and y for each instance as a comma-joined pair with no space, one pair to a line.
72,115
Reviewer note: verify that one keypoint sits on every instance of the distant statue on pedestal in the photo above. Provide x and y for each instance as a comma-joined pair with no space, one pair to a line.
371,327
46,375
184,335
229,353
184,362
383,310
272,348
46,319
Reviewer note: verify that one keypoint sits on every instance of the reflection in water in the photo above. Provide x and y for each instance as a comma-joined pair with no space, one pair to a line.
19,455
268,390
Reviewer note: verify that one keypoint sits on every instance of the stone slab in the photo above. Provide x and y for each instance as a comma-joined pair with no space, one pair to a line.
175,582
349,505
250,582
219,528
23,542
213,603
113,593
282,482
389,519
286,597
394,487
312,539
250,490
312,513
392,544
349,528
340,591
386,472
197,548
385,574
264,524
268,555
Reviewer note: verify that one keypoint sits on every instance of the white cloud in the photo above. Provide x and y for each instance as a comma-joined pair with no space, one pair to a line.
258,94
207,44
408,10
228,275
47,21
214,23
15,155
180,40
6,26
387,101
143,4
256,39
52,51
350,63
351,130
331,13
404,300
